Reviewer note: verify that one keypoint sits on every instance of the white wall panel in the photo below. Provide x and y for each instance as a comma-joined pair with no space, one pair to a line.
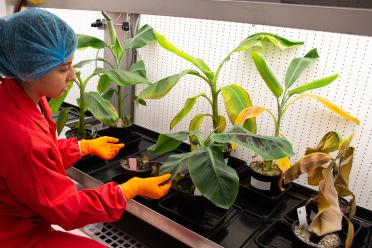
306,122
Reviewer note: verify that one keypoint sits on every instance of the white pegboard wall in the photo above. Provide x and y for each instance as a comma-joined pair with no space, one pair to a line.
305,122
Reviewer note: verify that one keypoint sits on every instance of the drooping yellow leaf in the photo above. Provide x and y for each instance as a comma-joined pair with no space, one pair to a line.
284,164
329,216
247,113
331,106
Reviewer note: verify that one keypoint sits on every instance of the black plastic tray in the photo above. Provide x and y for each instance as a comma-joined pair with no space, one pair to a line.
90,163
211,218
236,230
278,235
240,227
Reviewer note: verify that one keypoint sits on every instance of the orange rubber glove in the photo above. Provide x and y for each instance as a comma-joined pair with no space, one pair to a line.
102,147
148,187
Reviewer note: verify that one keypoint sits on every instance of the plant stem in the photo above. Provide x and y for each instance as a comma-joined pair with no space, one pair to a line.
81,131
119,101
214,106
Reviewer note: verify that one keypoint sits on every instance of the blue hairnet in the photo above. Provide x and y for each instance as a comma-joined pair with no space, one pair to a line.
33,43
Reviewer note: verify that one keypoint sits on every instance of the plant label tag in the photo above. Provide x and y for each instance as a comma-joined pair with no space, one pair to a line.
197,192
302,218
260,184
133,163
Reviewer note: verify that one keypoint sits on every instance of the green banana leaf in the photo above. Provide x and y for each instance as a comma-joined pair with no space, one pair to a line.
144,36
116,47
107,95
101,109
121,77
103,83
62,119
170,141
257,41
88,61
160,88
268,147
55,103
139,68
84,41
236,99
298,65
267,75
189,104
166,44
207,167
313,85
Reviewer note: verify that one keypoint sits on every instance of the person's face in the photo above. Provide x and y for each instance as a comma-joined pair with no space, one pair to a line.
55,83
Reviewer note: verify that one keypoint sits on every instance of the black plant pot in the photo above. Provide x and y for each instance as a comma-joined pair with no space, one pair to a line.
144,170
266,197
269,184
312,209
122,178
122,133
74,133
190,205
315,239
90,163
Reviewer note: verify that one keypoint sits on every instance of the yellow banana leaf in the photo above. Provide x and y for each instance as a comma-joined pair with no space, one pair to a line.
284,164
35,1
331,106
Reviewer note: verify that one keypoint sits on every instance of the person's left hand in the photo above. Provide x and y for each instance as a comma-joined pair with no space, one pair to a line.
103,147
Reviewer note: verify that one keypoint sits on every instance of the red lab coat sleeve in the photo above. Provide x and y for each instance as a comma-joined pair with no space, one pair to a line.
70,151
54,196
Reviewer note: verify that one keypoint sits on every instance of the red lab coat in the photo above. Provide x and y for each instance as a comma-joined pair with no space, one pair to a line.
34,189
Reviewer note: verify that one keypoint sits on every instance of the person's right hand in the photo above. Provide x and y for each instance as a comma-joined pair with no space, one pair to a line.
148,187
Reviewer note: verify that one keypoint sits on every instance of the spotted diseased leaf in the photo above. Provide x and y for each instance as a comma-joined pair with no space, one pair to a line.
206,167
268,147
306,164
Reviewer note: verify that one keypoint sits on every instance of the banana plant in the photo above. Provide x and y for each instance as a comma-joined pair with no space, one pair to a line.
285,92
134,76
215,180
235,97
332,172
100,108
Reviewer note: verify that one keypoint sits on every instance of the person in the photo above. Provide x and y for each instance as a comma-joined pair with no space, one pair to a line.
36,54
